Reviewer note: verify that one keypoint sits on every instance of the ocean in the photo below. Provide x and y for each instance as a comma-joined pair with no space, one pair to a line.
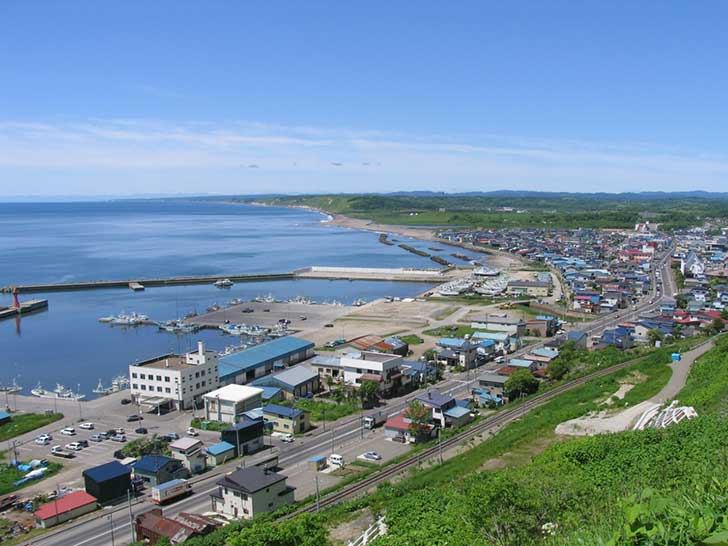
61,242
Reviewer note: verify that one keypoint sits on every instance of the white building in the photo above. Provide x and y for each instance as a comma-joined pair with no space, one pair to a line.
227,404
190,452
173,380
385,369
251,491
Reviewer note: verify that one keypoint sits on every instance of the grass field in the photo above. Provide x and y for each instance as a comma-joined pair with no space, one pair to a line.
20,423
9,475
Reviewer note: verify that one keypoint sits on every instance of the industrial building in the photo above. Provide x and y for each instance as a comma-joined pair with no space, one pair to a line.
67,507
295,382
108,482
250,364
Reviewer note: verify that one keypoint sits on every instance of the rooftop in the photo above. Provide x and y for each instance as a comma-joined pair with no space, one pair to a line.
282,411
261,354
107,471
234,393
166,362
434,398
250,480
219,448
66,503
371,356
291,377
183,444
151,463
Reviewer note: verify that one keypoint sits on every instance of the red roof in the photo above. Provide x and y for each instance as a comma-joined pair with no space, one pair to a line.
371,377
397,422
69,502
507,370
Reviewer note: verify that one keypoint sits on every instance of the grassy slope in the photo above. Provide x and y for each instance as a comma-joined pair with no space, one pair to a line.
21,423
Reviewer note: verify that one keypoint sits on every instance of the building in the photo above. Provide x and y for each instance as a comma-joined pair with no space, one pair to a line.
542,325
512,326
248,492
457,352
227,404
158,469
534,289
504,342
285,419
219,453
108,482
493,383
152,526
253,363
173,381
385,369
399,428
190,451
295,382
392,345
69,506
246,435
438,404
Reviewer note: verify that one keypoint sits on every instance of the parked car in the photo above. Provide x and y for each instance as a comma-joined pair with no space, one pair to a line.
192,432
43,439
74,446
336,460
133,418
8,502
118,431
125,401
141,430
97,437
84,443
372,456
68,431
86,426
328,325
118,438
172,436
248,310
104,435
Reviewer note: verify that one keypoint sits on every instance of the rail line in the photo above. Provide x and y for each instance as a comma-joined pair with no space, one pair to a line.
502,418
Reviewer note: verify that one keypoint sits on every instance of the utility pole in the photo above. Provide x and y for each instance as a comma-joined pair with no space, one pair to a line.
332,440
439,443
111,526
78,391
318,498
131,516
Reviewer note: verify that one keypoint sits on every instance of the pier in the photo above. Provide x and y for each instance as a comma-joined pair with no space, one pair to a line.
314,272
23,308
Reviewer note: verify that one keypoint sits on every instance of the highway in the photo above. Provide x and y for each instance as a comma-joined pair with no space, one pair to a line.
110,526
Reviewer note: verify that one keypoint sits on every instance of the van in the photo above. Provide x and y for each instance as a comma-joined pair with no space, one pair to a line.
336,460
499,359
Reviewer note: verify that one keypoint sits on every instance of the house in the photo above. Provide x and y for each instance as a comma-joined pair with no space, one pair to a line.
579,338
399,427
494,323
295,382
486,349
534,289
418,371
493,383
227,404
457,352
173,381
69,506
246,435
251,491
153,526
542,356
246,366
438,404
617,337
219,453
385,369
458,416
108,482
522,363
285,419
504,342
542,325
190,451
158,469
392,345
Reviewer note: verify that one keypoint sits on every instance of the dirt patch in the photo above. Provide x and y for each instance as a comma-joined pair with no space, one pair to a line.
523,454
619,395
349,530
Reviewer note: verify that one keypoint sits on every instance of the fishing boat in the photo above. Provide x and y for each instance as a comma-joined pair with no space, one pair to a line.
119,383
359,302
486,271
300,299
60,393
10,389
101,390
214,307
223,283
123,319
177,327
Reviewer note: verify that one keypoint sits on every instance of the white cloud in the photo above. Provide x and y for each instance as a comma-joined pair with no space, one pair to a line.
154,153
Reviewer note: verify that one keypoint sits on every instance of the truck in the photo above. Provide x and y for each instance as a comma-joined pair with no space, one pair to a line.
171,490
373,420
58,451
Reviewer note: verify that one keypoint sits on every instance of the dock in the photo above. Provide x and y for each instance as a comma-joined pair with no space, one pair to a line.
24,308
314,272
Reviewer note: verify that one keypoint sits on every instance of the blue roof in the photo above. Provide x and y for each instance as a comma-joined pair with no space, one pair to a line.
575,335
498,336
5,415
262,354
245,423
457,412
452,342
434,398
545,352
520,363
107,471
219,448
486,343
318,458
151,463
545,317
282,411
269,392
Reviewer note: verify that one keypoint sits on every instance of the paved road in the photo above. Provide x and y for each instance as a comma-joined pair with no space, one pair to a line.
96,530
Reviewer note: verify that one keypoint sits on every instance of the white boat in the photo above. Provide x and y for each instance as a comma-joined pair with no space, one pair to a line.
10,389
223,283
300,299
60,392
486,271
123,319
119,383
101,390
177,327
359,302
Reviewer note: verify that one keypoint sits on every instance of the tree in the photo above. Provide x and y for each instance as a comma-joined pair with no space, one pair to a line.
369,392
654,336
419,417
724,314
521,382
681,301
715,327
303,530
558,368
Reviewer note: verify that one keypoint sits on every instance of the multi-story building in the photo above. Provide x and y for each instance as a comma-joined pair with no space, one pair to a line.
248,492
176,381
228,404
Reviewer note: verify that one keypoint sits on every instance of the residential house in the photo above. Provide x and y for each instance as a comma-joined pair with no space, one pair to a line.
153,526
246,435
158,469
191,453
457,352
493,383
249,492
286,419
219,453
438,404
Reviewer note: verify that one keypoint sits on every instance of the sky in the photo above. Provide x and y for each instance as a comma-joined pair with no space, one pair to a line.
183,96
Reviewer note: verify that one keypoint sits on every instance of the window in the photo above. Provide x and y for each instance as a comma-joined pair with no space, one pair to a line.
144,387
134,375
142,376
203,373
197,386
159,378
166,379
167,390
203,383
197,375
159,389
134,386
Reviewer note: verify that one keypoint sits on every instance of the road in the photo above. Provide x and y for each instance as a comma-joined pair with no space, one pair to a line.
96,529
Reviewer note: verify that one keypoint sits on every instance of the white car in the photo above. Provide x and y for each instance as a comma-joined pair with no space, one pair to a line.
43,439
118,438
192,432
284,436
371,456
86,426
69,431
74,446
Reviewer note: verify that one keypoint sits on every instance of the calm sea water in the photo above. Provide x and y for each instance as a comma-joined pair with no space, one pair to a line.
56,242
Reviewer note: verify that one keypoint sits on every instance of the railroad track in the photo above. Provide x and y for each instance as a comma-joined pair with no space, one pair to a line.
500,419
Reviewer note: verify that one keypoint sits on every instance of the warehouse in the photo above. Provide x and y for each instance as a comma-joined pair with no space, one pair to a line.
108,482
295,382
67,507
250,364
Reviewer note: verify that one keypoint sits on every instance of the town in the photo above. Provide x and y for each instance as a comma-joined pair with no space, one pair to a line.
201,439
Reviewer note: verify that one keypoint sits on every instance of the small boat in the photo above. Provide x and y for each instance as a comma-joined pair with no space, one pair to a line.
223,283
359,302
300,299
214,307
10,389
177,327
60,393
122,319
101,390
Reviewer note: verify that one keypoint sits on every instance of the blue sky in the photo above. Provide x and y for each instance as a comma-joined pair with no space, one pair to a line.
100,98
